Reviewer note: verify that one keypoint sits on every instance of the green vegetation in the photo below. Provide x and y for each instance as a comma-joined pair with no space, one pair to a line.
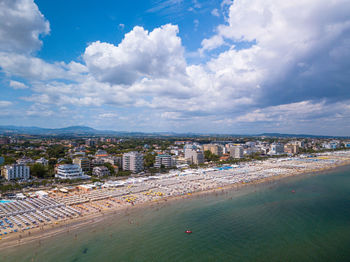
39,171
149,159
210,156
110,168
56,151
124,173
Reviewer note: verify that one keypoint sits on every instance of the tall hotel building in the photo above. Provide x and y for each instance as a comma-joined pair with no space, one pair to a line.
133,161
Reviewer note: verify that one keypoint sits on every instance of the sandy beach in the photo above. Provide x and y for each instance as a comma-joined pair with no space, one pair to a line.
99,204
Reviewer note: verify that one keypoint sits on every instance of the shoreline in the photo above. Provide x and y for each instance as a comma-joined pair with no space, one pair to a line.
63,226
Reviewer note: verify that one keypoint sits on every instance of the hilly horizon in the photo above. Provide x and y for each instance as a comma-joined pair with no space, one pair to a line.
86,130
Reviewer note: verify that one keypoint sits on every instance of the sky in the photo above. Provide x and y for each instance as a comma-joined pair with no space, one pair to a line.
204,66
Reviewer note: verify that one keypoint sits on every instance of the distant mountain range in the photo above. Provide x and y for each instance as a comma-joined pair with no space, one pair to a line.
71,130
88,131
33,130
297,135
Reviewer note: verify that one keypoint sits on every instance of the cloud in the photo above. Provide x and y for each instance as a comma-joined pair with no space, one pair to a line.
295,57
212,43
17,85
215,12
5,103
270,62
21,24
141,54
196,24
167,6
36,69
108,115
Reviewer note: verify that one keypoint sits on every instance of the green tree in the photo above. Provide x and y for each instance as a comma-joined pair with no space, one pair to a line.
210,156
110,168
149,159
39,171
9,160
56,151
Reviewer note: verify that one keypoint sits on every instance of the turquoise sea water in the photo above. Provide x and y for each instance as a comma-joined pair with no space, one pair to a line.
258,223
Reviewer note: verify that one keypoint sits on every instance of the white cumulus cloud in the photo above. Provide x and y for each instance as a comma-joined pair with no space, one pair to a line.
17,85
21,24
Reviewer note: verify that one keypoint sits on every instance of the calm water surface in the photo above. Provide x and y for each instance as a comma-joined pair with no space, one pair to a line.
259,223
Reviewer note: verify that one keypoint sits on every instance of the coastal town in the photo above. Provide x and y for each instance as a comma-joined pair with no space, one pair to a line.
46,181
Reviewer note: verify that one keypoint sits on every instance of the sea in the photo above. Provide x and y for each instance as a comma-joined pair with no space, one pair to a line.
303,218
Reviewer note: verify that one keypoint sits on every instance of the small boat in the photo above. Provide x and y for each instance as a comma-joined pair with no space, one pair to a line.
188,232
293,191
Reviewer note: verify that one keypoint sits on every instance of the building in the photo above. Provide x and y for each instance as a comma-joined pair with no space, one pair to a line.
83,162
133,161
300,144
42,161
331,145
16,171
100,171
4,140
2,160
25,161
68,171
214,149
291,149
194,156
90,142
113,160
276,149
236,151
101,153
164,160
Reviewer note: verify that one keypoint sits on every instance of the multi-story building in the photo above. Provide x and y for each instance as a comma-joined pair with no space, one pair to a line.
331,145
42,161
215,149
69,171
133,161
300,144
101,153
276,149
11,172
164,160
25,161
236,151
100,171
194,156
113,160
83,162
90,142
291,149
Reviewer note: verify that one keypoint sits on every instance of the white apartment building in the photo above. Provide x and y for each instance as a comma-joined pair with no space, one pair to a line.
25,161
42,161
166,160
100,171
276,149
16,171
194,156
133,161
236,151
69,171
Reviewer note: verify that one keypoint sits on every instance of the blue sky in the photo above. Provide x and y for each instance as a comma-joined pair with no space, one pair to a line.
74,24
186,66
